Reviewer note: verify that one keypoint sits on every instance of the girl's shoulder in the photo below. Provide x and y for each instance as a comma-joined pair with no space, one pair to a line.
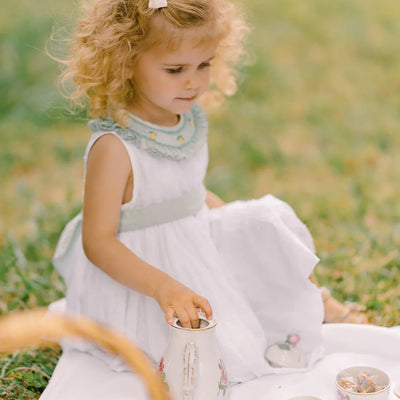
177,142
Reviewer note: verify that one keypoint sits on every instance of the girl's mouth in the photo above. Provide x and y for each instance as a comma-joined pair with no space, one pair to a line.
187,98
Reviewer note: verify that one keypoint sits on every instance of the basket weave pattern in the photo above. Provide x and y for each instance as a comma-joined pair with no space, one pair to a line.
23,329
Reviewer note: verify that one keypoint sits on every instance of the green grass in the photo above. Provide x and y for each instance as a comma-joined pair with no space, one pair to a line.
24,375
316,122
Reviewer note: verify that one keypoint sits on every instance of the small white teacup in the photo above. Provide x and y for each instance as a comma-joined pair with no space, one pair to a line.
381,379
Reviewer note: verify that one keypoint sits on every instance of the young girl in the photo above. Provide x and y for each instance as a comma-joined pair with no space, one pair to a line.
151,242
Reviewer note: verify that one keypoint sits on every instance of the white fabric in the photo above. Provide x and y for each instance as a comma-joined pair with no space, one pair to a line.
250,259
346,345
79,376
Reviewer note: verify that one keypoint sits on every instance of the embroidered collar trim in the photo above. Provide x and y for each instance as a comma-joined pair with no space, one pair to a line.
177,142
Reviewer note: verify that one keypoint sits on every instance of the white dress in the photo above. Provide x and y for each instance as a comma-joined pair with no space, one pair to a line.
250,259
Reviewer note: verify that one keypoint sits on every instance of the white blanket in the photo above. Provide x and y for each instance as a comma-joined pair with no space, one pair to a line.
346,345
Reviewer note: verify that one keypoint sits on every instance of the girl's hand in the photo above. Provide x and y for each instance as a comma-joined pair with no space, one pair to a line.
177,299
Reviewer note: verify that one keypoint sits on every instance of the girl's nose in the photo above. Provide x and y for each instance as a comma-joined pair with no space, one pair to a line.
193,82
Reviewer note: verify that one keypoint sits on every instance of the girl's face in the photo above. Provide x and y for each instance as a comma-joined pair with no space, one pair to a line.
167,82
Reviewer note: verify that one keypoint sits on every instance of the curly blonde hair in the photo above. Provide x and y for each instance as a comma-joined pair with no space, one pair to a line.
113,33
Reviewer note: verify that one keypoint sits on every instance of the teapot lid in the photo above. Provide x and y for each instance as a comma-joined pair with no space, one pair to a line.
205,323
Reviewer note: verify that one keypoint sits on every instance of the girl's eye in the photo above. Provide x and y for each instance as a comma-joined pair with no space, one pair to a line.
174,70
205,65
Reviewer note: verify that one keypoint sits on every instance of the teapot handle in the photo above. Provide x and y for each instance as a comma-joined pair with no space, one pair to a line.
190,356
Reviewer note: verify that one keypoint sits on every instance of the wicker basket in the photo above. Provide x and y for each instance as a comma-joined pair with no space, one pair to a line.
22,329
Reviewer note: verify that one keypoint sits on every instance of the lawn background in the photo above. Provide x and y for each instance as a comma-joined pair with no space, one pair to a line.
316,122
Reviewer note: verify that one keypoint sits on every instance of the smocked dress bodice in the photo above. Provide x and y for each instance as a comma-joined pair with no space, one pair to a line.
166,161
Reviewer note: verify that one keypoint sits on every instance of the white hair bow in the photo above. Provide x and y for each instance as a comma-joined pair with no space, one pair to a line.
158,3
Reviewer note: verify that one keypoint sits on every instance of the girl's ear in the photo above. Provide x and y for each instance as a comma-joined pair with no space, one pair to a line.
128,71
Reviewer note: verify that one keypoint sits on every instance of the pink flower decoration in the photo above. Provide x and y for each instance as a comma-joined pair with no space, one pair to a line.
342,396
160,367
293,338
223,380
224,376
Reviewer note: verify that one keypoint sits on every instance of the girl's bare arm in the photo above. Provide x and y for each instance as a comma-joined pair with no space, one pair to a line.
107,174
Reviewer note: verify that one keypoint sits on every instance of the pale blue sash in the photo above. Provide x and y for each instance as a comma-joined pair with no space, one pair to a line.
174,209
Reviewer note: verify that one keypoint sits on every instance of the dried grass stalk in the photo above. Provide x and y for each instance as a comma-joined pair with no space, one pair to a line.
22,329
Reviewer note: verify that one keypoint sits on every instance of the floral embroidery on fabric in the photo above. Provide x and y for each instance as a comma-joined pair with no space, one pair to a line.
176,143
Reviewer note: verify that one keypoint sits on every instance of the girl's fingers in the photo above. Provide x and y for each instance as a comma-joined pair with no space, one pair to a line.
194,317
187,313
169,315
204,306
183,317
